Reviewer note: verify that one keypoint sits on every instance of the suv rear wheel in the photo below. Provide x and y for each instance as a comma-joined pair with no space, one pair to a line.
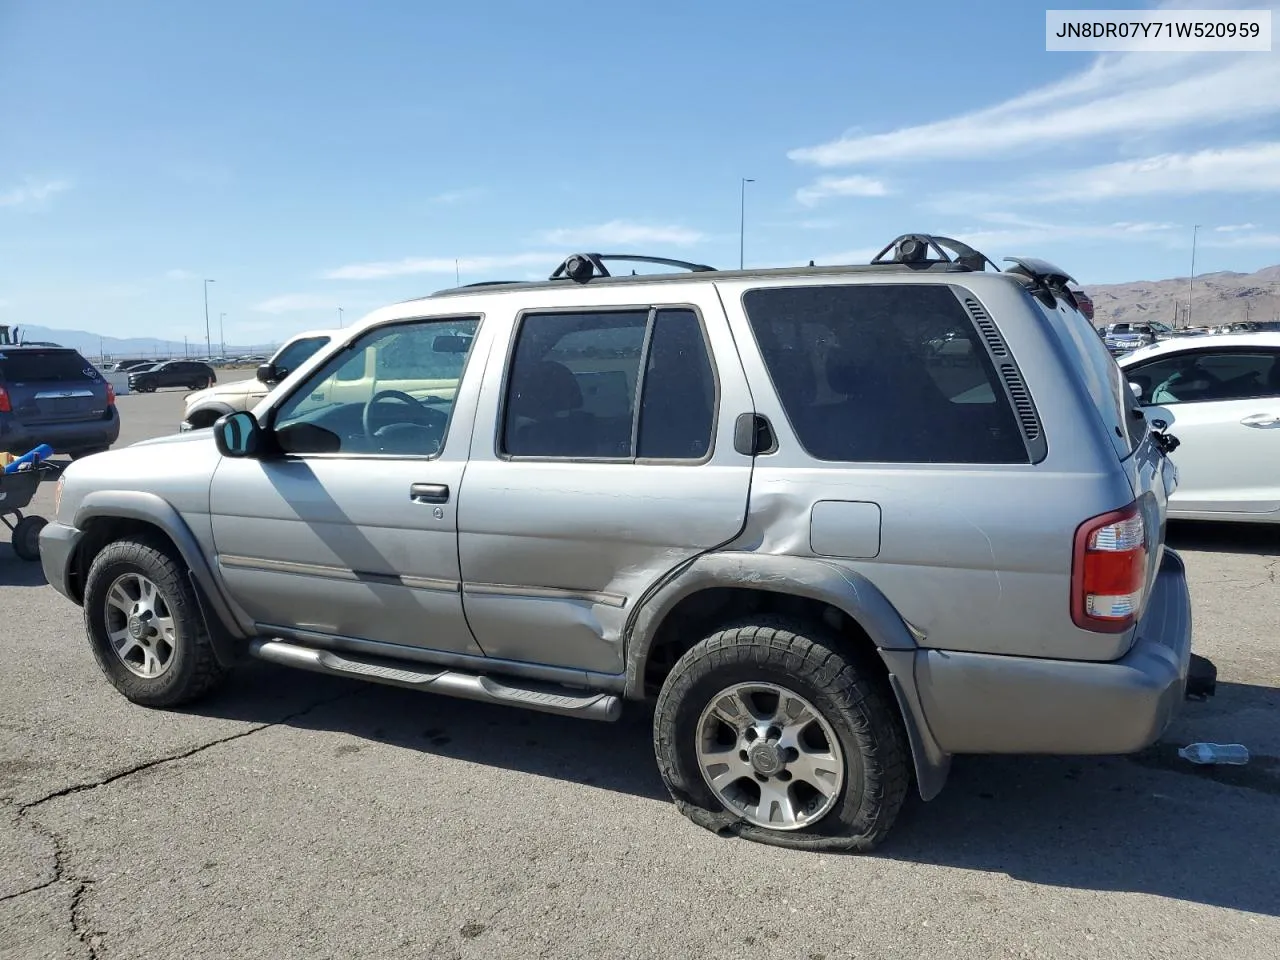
145,626
768,731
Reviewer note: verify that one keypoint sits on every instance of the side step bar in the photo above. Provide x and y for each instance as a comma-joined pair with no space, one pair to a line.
530,694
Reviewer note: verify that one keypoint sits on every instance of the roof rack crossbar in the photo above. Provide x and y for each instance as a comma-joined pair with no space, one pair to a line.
582,267
913,249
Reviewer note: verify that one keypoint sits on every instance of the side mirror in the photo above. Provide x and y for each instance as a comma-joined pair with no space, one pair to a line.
267,373
1136,389
238,435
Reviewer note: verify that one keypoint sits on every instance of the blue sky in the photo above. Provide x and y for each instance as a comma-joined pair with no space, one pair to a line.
311,155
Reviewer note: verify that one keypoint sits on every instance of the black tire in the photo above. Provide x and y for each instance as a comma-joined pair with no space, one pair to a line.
855,703
193,670
26,537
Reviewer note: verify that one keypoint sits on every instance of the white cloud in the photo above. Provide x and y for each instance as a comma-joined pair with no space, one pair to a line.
179,275
855,186
1118,95
1011,232
458,196
33,191
380,270
1234,241
1250,168
622,233
1234,227
293,302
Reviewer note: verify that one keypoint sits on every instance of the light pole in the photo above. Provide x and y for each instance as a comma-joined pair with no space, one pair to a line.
222,337
742,220
339,318
1192,288
208,348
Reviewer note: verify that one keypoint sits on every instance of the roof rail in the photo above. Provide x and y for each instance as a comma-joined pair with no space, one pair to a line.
583,267
912,249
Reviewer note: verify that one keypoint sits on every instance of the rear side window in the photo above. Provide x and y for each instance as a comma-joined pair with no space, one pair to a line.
46,366
884,374
575,379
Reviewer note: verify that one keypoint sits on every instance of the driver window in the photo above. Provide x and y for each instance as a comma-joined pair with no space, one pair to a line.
391,392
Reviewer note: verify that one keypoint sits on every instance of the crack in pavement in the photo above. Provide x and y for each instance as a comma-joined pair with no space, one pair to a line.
61,871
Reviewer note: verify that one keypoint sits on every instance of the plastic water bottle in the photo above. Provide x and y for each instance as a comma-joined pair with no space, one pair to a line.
1214,753
42,452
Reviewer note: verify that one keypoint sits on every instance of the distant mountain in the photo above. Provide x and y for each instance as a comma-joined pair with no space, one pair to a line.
91,345
1217,298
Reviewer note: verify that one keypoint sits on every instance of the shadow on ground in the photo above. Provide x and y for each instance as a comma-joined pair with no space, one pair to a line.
1260,539
1151,823
16,572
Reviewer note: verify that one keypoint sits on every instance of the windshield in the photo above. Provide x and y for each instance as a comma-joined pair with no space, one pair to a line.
293,355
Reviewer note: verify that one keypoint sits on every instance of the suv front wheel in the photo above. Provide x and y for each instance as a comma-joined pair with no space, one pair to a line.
768,731
145,626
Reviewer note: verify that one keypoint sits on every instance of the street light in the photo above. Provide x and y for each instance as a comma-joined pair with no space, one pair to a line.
339,318
222,337
742,219
208,348
1192,288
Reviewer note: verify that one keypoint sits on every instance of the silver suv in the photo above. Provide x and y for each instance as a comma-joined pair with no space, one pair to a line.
833,552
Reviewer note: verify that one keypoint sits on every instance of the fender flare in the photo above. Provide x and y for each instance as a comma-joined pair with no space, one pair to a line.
226,630
216,406
815,579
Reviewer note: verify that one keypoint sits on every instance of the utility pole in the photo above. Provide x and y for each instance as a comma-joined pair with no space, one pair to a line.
185,351
1192,288
208,348
222,337
742,220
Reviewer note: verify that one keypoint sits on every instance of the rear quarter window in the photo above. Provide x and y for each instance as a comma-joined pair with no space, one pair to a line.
1102,377
46,366
892,373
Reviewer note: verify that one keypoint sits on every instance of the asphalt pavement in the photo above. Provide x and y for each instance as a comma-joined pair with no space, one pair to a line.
293,815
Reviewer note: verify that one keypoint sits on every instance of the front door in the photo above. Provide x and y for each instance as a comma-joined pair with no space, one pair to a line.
1223,405
602,460
352,532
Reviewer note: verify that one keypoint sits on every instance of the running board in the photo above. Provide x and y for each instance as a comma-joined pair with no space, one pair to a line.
530,694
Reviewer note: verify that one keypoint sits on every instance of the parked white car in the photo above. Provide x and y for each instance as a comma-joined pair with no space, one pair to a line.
1221,398
204,407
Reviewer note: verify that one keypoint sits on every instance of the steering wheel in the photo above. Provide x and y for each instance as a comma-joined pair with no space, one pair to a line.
424,419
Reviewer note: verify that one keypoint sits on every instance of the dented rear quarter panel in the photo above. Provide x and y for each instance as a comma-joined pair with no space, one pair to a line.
973,557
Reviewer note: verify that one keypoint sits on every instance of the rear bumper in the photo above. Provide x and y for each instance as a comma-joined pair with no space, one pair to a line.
69,437
985,703
57,544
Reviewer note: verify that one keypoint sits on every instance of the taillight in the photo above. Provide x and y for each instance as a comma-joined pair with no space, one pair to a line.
1109,571
111,395
5,405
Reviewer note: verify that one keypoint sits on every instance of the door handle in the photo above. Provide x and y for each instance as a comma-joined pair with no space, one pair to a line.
1261,420
429,492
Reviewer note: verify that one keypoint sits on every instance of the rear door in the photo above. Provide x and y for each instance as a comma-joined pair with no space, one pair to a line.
602,460
51,385
1223,405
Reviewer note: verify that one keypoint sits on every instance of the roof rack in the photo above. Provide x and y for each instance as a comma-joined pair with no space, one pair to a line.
912,249
583,267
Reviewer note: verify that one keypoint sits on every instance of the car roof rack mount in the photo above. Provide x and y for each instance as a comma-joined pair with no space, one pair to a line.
584,267
912,249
